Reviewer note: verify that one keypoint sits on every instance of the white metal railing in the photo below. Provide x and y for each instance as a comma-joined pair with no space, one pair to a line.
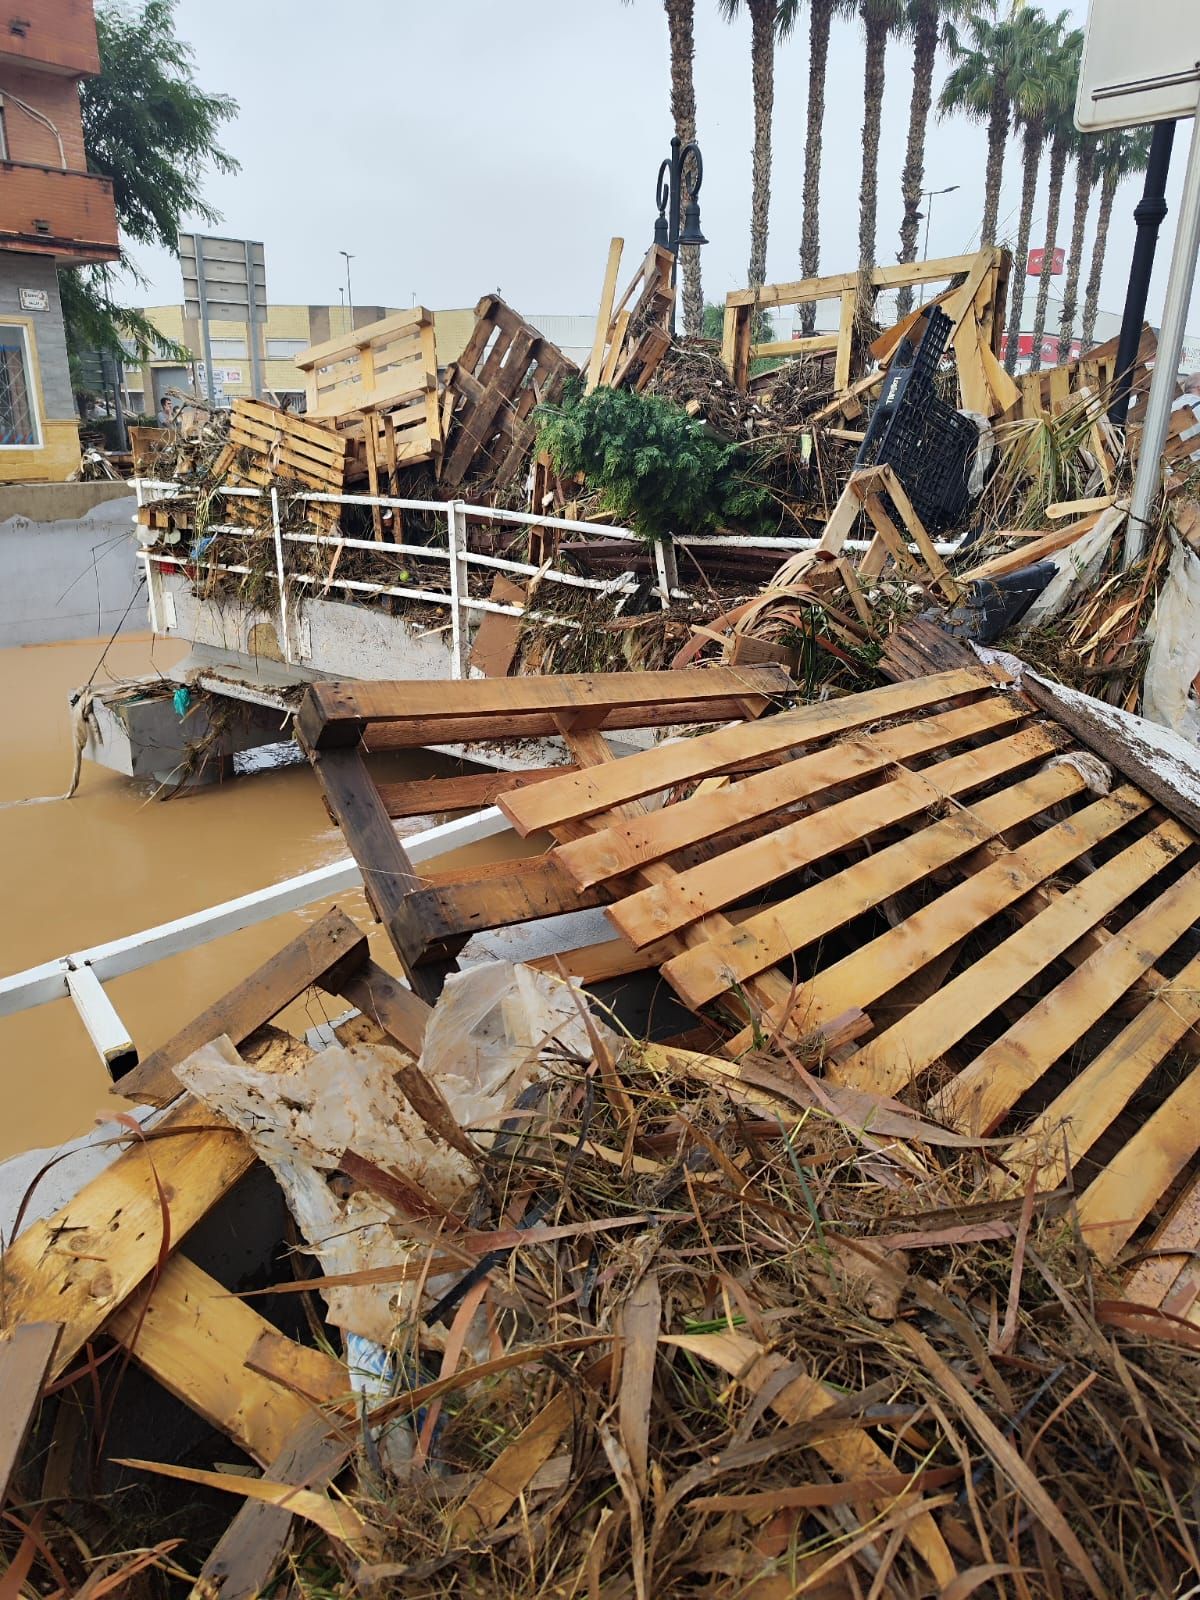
456,553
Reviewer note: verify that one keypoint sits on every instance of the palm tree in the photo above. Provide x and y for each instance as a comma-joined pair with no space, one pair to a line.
820,18
1060,126
879,19
680,20
769,20
990,62
1032,92
1118,155
1085,182
924,20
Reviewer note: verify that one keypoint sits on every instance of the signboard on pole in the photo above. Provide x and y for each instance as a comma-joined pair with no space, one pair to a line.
224,280
1033,267
1141,63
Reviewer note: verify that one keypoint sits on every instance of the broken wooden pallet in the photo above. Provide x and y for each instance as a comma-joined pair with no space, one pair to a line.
1019,945
267,444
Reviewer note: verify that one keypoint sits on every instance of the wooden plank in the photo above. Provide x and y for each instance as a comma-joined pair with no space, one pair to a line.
389,877
1093,1099
803,290
1118,1202
1154,758
385,330
982,1094
604,314
845,340
515,891
897,545
1025,556
77,1266
243,1561
257,411
627,845
331,946
915,528
903,1051
194,1338
401,1014
817,344
661,909
25,1357
1171,1253
968,360
617,958
773,934
585,793
332,712
431,796
865,974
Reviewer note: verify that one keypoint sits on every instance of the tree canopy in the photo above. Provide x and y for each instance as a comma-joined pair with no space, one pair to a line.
151,130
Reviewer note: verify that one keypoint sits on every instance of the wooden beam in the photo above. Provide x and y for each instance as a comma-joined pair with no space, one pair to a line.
332,714
401,1014
330,948
604,314
424,731
431,796
803,290
25,1357
511,892
78,1266
194,1337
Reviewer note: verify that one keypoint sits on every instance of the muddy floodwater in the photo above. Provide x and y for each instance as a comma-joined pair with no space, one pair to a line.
113,861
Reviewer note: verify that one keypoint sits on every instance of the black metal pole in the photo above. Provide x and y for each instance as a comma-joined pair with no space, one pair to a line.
1148,214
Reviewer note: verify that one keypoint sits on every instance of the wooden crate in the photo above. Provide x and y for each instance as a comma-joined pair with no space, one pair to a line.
506,369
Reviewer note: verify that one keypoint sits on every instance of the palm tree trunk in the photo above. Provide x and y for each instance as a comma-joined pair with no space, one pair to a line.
762,69
997,137
873,80
1091,298
1016,315
819,17
680,18
1084,167
1058,165
925,37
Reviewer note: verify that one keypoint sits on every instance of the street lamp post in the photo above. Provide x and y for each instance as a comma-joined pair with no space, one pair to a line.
349,297
669,195
930,195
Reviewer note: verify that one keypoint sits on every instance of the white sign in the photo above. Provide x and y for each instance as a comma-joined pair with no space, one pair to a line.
228,375
1141,63
35,299
227,278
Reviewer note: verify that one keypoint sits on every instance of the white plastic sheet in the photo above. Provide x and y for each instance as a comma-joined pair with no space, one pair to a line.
1167,694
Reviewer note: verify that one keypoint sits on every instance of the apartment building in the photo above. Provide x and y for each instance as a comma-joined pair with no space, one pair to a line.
53,213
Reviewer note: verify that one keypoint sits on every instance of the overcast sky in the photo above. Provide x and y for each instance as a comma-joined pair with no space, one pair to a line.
467,146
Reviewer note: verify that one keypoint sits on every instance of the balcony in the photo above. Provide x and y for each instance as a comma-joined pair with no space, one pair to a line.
56,35
67,215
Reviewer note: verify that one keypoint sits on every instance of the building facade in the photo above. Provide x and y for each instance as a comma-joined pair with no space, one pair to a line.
53,213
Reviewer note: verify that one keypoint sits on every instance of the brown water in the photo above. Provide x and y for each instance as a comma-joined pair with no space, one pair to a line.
112,861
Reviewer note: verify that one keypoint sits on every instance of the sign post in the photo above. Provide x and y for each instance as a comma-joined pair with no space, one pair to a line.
1136,72
225,280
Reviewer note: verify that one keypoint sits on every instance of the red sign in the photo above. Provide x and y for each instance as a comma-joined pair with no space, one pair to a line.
1033,267
1051,355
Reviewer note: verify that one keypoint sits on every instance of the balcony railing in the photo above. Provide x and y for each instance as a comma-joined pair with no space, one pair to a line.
68,215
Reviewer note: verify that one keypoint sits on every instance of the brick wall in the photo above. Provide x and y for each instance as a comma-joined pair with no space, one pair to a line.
56,98
61,34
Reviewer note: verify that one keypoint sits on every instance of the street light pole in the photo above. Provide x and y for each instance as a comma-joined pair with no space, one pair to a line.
349,296
931,194
669,197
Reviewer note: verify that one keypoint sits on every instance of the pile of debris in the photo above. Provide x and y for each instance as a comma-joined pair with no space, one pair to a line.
866,1264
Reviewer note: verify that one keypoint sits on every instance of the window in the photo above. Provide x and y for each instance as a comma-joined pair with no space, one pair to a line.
18,410
223,349
285,349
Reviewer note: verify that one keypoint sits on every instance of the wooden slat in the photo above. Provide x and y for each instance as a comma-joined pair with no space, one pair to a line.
331,947
1121,1198
586,793
388,875
401,1014
1093,1099
511,892
662,908
299,427
194,1337
981,1095
25,1357
333,712
861,977
429,796
891,277
621,848
1170,1254
772,935
77,1266
604,314
1031,551
905,1050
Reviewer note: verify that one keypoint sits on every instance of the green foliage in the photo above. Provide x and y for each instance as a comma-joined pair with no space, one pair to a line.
714,324
655,468
150,129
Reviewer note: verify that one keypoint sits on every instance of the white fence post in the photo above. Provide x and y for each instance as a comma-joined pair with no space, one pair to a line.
456,538
285,642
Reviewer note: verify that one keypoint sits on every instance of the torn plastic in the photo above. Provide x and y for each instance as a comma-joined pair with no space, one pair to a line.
1077,567
1168,693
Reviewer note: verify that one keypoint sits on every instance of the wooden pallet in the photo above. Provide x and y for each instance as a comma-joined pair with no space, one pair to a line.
1052,391
634,333
267,444
505,370
429,922
1015,952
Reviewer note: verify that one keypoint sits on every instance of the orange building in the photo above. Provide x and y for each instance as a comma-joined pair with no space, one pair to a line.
53,213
